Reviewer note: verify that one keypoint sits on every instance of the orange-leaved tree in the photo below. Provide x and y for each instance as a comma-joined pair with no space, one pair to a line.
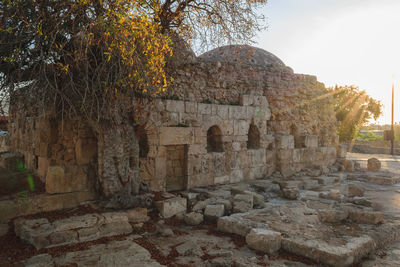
92,58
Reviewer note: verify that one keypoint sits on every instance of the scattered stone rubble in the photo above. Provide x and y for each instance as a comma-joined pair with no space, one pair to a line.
240,133
331,221
43,234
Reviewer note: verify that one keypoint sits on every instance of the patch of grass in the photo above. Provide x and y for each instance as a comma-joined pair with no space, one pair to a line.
207,101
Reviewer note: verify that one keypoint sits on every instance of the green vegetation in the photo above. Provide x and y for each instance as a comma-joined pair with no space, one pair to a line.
369,136
353,108
207,101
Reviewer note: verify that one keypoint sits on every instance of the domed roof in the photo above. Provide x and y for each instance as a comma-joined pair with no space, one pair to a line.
242,53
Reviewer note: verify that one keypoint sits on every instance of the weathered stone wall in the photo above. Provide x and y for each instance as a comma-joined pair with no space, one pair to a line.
299,103
228,122
62,153
178,123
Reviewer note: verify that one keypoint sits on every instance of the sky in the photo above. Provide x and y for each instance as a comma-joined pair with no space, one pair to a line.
344,42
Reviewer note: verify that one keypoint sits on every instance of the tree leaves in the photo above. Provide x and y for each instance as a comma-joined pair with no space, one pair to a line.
353,108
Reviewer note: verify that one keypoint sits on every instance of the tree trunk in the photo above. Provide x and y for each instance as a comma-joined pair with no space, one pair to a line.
118,161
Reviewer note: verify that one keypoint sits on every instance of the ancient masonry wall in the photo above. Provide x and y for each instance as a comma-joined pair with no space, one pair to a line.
229,122
215,141
68,149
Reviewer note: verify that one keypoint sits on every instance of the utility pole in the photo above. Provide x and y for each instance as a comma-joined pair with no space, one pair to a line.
392,128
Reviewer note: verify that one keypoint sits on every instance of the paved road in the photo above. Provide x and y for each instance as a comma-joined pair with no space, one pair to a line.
389,162
387,195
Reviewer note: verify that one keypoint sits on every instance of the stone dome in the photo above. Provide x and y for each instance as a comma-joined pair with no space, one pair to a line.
242,53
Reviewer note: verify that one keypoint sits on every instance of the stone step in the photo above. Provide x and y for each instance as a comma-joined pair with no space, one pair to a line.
43,234
330,254
114,253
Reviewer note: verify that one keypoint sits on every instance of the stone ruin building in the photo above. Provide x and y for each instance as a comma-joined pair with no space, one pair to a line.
240,142
232,114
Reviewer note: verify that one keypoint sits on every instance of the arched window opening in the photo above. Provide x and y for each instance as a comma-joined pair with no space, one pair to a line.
253,137
143,142
214,139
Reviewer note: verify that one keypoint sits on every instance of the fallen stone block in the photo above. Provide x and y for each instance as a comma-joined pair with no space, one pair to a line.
332,215
367,217
348,165
328,180
333,255
193,218
219,193
373,164
227,204
263,240
191,197
83,221
41,233
189,248
242,203
291,193
293,183
115,228
213,212
137,215
172,206
113,253
332,194
201,205
258,200
354,190
310,184
383,180
239,226
360,201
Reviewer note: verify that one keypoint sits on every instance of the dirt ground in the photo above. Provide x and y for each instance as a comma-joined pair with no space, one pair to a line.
170,242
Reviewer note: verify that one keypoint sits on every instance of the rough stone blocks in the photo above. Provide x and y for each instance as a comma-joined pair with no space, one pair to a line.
332,215
137,215
308,141
368,217
213,212
264,240
61,179
176,135
41,233
284,141
243,203
85,149
172,206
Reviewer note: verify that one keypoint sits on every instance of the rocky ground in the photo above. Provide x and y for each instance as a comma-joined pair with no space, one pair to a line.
316,218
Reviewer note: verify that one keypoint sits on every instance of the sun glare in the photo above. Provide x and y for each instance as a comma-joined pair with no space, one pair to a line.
342,44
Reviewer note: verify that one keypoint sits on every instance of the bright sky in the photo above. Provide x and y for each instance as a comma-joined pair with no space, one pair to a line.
341,42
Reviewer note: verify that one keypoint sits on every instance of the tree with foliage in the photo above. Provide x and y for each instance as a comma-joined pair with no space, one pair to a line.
354,108
82,56
91,58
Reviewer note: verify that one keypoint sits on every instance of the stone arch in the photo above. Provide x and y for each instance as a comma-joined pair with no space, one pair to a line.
253,137
214,139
